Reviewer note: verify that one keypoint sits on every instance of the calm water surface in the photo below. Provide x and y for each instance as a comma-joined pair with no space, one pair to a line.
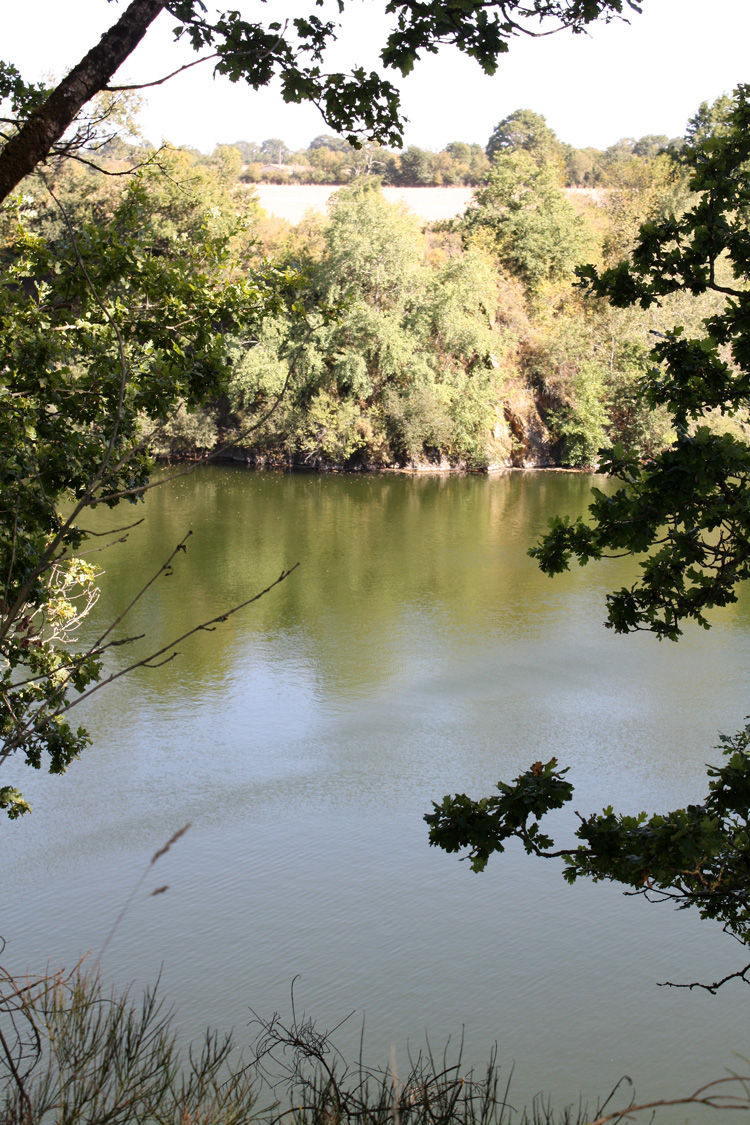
416,651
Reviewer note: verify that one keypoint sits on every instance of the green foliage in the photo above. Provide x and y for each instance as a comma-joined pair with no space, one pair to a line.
697,857
687,509
101,330
522,216
527,131
709,121
361,102
484,826
583,421
406,370
121,314
189,430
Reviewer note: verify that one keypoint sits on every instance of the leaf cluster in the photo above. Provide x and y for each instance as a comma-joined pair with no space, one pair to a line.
484,826
687,508
698,856
360,103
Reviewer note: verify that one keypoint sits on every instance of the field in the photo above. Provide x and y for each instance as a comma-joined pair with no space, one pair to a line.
291,201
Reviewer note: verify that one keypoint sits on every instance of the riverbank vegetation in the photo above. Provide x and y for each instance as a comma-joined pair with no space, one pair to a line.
463,344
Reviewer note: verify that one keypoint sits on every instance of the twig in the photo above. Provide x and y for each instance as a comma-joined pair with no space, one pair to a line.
161,81
702,1096
146,662
712,988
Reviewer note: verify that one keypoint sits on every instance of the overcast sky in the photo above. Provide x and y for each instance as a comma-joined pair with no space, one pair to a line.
621,80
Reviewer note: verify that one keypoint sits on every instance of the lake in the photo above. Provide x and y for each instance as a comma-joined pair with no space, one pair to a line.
415,651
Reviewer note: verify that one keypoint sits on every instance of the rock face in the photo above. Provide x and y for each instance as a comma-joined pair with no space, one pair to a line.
520,438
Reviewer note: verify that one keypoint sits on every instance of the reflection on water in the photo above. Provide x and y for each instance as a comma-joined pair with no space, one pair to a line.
416,651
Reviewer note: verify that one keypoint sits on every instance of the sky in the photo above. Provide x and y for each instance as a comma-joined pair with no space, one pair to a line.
648,76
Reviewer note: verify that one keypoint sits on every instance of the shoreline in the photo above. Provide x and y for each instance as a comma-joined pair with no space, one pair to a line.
262,465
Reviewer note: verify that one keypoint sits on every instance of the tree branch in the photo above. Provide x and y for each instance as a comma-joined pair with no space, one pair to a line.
712,988
47,124
161,81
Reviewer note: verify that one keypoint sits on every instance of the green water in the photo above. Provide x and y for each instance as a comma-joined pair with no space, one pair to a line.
416,650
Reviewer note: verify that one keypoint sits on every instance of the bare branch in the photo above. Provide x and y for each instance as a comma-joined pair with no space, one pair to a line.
146,661
706,1095
712,988
160,81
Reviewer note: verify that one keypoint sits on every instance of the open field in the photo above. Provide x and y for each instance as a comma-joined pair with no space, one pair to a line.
291,201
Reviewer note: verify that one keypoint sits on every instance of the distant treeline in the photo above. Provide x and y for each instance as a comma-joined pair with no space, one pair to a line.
332,160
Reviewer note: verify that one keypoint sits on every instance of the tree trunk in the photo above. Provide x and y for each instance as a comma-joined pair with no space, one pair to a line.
47,124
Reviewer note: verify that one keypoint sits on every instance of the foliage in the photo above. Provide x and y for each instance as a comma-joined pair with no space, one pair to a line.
101,329
333,160
639,190
686,509
122,312
357,103
582,422
521,215
188,431
528,131
709,121
697,857
407,370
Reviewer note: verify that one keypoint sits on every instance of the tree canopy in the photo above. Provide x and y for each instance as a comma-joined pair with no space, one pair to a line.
522,216
687,509
524,129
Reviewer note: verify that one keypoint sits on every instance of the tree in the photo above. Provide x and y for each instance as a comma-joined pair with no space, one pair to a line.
275,150
407,368
248,150
688,508
708,121
522,216
686,513
415,167
527,131
103,325
105,328
650,145
325,140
